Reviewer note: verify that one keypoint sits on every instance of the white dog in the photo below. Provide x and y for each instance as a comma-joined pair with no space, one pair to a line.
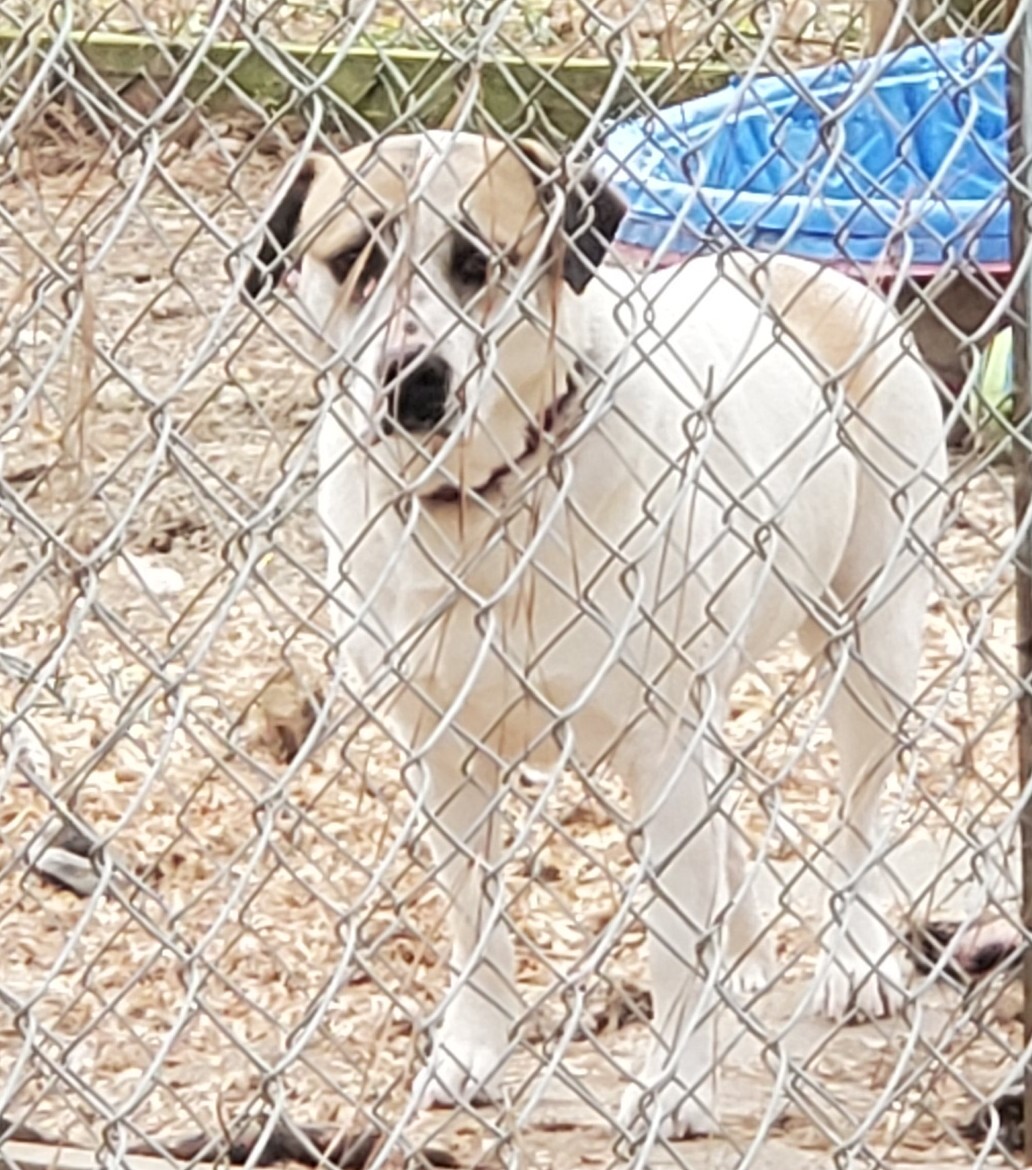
566,508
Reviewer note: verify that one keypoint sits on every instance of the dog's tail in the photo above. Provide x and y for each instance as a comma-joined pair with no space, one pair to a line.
853,333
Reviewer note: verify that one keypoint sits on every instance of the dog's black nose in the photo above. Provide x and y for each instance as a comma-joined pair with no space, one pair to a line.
418,383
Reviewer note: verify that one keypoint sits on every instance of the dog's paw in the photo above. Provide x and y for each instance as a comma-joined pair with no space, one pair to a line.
464,1068
681,1115
753,972
850,989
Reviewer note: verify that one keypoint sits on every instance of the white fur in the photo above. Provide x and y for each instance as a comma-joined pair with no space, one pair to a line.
710,506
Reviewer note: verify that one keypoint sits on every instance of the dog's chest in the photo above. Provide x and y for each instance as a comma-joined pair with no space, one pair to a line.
626,570
499,609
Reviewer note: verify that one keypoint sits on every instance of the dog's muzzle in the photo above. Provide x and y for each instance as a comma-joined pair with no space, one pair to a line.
418,383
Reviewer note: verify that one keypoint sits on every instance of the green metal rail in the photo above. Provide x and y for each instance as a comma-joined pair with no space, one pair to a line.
382,86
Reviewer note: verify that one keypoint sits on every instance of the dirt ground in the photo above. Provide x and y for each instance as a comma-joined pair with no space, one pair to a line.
272,933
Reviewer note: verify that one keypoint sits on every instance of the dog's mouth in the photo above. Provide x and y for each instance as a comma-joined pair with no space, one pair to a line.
383,427
433,437
548,425
427,445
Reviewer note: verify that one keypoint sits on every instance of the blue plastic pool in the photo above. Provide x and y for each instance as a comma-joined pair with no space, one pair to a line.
854,162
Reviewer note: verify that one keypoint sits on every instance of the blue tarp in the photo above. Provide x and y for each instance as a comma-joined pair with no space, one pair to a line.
861,160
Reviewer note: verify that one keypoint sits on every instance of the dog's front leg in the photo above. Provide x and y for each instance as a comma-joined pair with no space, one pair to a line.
482,1004
681,847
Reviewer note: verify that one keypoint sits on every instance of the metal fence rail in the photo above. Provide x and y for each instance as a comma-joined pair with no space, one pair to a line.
227,887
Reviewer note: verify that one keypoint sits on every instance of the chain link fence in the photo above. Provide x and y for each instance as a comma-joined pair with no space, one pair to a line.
238,903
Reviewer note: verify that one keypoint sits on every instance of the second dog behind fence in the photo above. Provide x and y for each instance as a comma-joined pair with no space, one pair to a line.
565,508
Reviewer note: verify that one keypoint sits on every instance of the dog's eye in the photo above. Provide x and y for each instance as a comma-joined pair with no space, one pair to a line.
470,265
341,264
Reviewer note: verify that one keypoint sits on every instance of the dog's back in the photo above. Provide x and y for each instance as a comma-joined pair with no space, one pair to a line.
781,402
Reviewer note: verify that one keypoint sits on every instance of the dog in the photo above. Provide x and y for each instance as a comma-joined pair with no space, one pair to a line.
565,508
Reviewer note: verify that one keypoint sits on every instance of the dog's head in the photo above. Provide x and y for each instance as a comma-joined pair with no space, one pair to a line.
440,269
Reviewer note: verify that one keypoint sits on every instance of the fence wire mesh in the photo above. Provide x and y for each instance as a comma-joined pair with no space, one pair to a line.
383,657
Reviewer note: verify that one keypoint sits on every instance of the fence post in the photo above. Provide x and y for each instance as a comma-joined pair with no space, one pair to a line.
1019,101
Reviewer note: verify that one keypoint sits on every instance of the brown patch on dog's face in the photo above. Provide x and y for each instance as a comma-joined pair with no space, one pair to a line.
479,195
499,192
502,204
347,197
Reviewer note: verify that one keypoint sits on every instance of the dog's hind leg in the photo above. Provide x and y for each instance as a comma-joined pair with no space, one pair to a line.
482,1004
858,970
882,583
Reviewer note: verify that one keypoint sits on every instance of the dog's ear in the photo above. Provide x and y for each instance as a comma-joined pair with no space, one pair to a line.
594,212
279,233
